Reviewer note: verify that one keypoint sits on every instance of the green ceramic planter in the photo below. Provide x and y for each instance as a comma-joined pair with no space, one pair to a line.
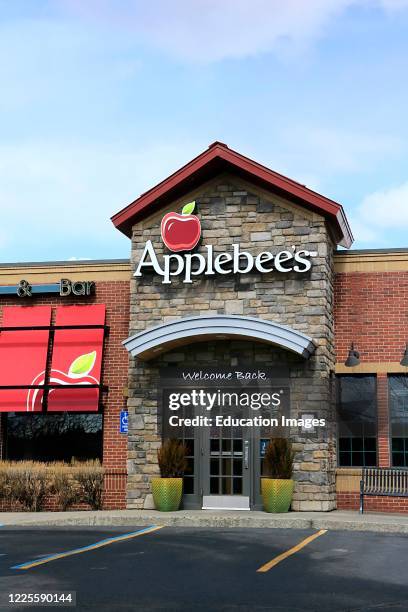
167,493
276,494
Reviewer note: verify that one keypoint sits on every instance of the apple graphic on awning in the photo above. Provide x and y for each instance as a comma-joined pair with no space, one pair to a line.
67,399
181,232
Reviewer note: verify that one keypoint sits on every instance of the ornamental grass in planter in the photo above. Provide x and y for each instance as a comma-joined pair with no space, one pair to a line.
277,483
168,489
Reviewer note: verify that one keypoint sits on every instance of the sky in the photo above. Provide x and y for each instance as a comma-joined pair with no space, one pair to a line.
102,99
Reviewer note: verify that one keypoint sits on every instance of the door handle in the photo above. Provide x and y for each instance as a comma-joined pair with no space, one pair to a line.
246,454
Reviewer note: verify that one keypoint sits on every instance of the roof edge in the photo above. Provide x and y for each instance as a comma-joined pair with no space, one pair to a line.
328,208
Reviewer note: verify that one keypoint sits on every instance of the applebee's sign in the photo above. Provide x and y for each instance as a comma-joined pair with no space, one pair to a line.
182,233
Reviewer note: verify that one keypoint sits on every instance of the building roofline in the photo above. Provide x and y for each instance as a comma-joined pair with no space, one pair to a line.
219,157
351,252
104,262
80,262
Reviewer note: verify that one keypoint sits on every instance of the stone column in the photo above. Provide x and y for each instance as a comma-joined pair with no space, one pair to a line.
234,212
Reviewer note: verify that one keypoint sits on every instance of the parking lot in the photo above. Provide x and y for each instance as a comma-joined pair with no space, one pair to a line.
207,569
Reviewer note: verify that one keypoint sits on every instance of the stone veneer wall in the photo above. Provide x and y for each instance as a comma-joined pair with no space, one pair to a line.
233,212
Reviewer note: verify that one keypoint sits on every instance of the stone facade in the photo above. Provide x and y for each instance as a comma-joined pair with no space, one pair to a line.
232,211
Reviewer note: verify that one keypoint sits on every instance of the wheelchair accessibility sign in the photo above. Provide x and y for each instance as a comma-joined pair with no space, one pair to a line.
124,422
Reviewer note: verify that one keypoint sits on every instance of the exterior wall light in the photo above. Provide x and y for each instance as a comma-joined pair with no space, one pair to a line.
404,360
353,358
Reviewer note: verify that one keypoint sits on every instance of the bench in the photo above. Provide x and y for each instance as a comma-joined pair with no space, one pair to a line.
385,482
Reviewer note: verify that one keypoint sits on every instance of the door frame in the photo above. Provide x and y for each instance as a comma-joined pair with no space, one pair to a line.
243,500
168,379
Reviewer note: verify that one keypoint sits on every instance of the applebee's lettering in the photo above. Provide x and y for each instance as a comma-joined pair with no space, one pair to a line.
235,262
182,233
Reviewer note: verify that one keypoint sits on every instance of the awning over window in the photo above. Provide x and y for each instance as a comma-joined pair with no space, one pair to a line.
56,367
77,359
23,357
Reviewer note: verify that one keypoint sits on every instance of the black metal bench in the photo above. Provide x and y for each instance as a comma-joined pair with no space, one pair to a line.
385,482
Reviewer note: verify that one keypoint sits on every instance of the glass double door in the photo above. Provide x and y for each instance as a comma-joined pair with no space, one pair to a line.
226,466
224,454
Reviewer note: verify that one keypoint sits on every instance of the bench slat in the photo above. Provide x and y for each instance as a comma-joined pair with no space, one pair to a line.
385,481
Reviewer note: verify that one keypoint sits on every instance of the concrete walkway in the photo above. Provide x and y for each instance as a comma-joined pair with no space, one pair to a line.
336,520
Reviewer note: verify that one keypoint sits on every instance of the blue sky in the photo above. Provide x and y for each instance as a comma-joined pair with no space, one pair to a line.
101,99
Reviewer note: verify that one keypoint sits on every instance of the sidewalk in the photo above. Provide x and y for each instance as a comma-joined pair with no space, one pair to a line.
336,520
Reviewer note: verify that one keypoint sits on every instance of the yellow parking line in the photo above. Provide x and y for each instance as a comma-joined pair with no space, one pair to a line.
77,551
291,551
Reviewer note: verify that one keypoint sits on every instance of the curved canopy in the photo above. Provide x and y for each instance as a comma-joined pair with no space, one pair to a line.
162,338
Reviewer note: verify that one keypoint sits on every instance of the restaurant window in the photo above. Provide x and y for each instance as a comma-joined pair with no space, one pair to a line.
52,437
357,420
398,403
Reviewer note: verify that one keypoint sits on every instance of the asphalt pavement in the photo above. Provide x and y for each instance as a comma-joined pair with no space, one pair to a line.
203,569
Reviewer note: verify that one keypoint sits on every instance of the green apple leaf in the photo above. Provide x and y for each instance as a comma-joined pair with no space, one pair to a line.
188,208
83,364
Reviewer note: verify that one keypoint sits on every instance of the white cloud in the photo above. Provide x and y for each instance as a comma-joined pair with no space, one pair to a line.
58,200
212,30
346,151
362,232
317,152
386,209
379,212
394,5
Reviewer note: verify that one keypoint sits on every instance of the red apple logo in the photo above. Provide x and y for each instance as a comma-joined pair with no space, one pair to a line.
181,232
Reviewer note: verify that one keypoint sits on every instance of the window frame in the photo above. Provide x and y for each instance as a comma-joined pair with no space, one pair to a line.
363,438
390,436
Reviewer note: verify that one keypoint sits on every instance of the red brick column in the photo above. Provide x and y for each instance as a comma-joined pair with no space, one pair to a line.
383,421
115,375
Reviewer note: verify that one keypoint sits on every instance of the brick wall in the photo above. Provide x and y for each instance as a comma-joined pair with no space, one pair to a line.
370,310
383,422
350,500
115,295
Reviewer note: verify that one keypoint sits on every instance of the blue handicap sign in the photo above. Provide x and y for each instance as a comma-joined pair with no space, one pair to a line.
263,445
124,421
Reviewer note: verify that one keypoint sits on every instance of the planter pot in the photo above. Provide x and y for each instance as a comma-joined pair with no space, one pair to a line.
276,494
167,493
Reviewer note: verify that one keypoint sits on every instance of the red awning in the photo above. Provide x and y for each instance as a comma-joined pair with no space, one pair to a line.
23,357
77,359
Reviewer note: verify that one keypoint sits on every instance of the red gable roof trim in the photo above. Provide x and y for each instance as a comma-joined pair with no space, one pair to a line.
217,157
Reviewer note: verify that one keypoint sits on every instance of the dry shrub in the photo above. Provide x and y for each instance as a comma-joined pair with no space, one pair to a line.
64,486
278,459
90,477
30,482
4,484
172,459
26,482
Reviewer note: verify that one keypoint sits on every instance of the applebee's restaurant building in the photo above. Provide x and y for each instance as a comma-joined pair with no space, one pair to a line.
236,318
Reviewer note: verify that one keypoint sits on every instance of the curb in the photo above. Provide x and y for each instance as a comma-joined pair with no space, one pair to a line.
368,523
372,526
